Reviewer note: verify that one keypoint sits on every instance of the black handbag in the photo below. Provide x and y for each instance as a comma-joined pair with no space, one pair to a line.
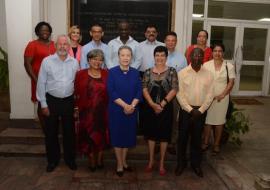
230,105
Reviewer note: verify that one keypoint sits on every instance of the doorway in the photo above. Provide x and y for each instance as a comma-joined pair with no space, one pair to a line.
247,46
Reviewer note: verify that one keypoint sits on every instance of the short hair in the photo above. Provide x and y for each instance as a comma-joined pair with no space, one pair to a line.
40,24
171,33
125,47
195,50
95,53
221,45
71,29
60,36
97,25
161,49
204,32
150,26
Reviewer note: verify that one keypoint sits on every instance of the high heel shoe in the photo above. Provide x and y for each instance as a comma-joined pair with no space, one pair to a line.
148,169
216,149
162,172
120,173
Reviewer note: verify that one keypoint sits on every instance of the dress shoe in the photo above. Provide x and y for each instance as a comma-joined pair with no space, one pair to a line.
179,170
162,172
92,168
72,165
50,167
128,169
100,166
119,173
198,171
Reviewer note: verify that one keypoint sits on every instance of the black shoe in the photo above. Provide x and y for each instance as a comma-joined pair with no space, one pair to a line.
120,173
128,169
100,166
172,150
92,168
72,165
179,170
50,167
198,171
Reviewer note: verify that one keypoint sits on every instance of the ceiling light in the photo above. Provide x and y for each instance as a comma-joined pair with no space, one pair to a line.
264,19
197,15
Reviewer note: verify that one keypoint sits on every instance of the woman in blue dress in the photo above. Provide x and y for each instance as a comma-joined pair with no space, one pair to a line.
125,92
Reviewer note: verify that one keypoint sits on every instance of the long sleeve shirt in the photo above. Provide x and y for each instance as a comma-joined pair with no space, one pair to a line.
147,49
176,60
56,77
116,43
90,46
195,89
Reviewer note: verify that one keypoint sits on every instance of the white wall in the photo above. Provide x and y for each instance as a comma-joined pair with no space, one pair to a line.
183,23
3,28
57,16
19,33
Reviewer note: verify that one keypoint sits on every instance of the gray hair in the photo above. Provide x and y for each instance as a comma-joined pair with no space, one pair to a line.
60,36
125,47
95,53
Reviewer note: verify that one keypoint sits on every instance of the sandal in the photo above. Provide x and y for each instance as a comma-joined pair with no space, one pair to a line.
216,149
205,147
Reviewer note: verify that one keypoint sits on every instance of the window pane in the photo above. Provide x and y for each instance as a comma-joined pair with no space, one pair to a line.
109,13
225,35
196,27
251,78
236,10
198,7
254,44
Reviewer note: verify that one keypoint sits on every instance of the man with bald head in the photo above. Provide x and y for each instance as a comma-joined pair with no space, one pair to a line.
195,96
55,87
124,38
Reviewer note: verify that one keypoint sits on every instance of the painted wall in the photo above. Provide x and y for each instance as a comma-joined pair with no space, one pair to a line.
3,28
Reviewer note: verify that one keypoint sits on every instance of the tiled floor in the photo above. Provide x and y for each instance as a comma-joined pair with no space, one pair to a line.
29,173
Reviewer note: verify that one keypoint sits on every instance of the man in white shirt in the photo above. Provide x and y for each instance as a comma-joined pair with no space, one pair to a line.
147,48
55,87
96,32
124,38
196,93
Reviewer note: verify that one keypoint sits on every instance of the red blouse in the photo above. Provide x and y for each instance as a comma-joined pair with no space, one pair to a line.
207,53
38,51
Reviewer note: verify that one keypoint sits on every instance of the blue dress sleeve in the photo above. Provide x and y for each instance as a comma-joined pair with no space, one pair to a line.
111,86
138,87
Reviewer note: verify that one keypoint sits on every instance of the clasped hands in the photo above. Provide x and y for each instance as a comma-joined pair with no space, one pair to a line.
129,109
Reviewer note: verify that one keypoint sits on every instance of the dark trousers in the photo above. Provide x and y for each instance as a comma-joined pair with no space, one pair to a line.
60,108
188,127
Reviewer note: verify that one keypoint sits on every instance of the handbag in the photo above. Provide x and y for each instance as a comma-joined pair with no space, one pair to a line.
230,105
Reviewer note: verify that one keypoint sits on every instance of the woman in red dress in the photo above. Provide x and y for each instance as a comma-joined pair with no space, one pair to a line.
202,38
91,104
34,53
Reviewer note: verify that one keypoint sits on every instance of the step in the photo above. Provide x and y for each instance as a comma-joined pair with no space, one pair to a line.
33,136
22,136
140,152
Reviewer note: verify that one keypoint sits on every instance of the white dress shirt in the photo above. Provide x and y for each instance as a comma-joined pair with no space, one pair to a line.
56,77
90,46
116,43
147,49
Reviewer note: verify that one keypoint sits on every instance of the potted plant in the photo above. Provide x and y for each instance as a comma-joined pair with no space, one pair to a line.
235,126
4,81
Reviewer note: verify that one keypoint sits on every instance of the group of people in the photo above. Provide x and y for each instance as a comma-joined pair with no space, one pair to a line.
101,92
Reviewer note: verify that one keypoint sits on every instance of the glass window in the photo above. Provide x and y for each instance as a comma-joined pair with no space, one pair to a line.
226,36
251,78
109,13
238,10
254,44
198,8
196,27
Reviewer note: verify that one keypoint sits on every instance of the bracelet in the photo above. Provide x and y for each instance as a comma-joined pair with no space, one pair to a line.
76,109
165,99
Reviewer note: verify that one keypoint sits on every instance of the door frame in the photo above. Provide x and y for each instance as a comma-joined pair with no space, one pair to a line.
239,37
